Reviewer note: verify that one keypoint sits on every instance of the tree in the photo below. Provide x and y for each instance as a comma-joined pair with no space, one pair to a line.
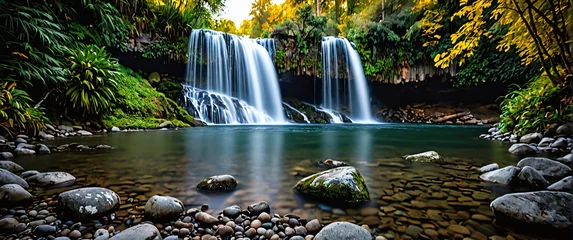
226,25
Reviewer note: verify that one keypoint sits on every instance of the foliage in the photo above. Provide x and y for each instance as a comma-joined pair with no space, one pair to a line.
16,115
226,25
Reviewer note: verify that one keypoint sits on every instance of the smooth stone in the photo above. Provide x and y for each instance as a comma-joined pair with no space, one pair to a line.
542,208
341,184
521,149
257,208
565,129
29,173
206,218
14,194
547,167
44,230
163,207
20,140
459,229
75,234
24,151
333,163
232,211
88,202
65,128
251,232
7,177
51,179
559,143
11,166
532,177
256,224
531,138
565,184
115,129
313,225
225,231
261,231
101,233
144,231
300,230
264,217
429,156
568,159
343,230
43,149
84,133
8,224
413,231
502,176
489,167
6,156
218,183
546,142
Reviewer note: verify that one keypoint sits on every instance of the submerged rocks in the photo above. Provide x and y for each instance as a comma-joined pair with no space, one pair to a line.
7,177
232,211
11,166
429,156
259,207
343,184
218,183
532,177
88,202
489,167
143,231
343,230
52,179
543,208
162,207
333,163
521,149
547,167
14,194
565,184
502,176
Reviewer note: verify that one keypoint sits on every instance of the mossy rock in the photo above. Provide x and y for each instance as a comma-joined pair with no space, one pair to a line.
429,156
339,184
171,89
154,77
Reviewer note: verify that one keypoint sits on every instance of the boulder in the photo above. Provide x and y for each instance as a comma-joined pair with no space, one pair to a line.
568,159
489,168
341,184
26,146
28,173
43,149
163,207
144,231
565,129
502,176
88,202
51,179
7,177
532,177
218,183
546,142
8,224
429,156
559,143
332,163
65,128
6,156
542,208
232,211
84,133
14,194
547,167
24,151
343,230
565,184
20,140
521,149
115,129
531,138
11,166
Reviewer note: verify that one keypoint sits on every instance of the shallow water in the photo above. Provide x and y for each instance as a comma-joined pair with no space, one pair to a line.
269,160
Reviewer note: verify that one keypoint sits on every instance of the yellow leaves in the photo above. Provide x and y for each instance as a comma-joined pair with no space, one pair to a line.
20,55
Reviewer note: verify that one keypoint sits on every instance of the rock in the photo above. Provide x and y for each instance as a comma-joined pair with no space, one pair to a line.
206,218
45,136
559,143
43,149
103,147
521,149
532,177
115,129
144,231
218,183
565,184
232,211
547,167
333,163
11,166
84,133
26,146
7,177
343,230
531,138
502,176
413,231
264,217
430,156
14,194
258,208
225,231
51,179
165,124
313,226
568,159
65,128
28,173
20,140
565,129
6,156
75,234
546,142
489,167
24,151
453,228
101,233
88,202
45,230
342,184
542,208
7,224
163,207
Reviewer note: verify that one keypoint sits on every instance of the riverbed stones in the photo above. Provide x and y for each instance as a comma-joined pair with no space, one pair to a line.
567,159
542,208
88,202
143,231
206,218
65,128
51,179
11,166
532,177
84,133
521,149
43,149
8,224
6,156
44,230
489,167
232,211
14,194
531,138
546,142
343,230
559,143
502,176
429,156
7,177
258,208
565,184
163,207
341,184
565,129
24,151
547,167
218,183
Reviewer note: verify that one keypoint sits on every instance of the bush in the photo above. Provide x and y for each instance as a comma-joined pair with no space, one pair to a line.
16,115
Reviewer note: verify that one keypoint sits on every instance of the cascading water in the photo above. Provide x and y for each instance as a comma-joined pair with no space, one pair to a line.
343,81
269,44
231,80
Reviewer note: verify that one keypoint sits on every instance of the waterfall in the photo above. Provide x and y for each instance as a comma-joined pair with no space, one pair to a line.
304,117
231,80
344,85
269,44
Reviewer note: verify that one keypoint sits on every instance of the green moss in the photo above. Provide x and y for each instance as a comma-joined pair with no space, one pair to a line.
171,89
335,191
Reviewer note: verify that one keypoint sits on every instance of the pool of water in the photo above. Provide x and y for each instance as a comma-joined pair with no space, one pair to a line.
269,160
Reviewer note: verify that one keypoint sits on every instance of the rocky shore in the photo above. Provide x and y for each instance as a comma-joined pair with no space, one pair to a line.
440,114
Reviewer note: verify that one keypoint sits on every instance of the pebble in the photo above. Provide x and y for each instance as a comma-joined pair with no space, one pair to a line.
256,224
75,234
7,224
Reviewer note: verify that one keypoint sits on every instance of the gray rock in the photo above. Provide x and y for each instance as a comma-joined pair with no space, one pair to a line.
52,179
45,136
67,238
43,149
502,176
163,207
84,133
7,177
343,230
65,128
341,184
218,183
6,156
45,230
565,184
50,127
559,143
143,231
489,168
542,208
429,156
521,149
24,151
14,194
568,159
115,129
547,167
103,147
333,163
20,140
101,233
88,202
26,146
565,129
8,224
531,138
546,142
532,177
28,173
11,166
